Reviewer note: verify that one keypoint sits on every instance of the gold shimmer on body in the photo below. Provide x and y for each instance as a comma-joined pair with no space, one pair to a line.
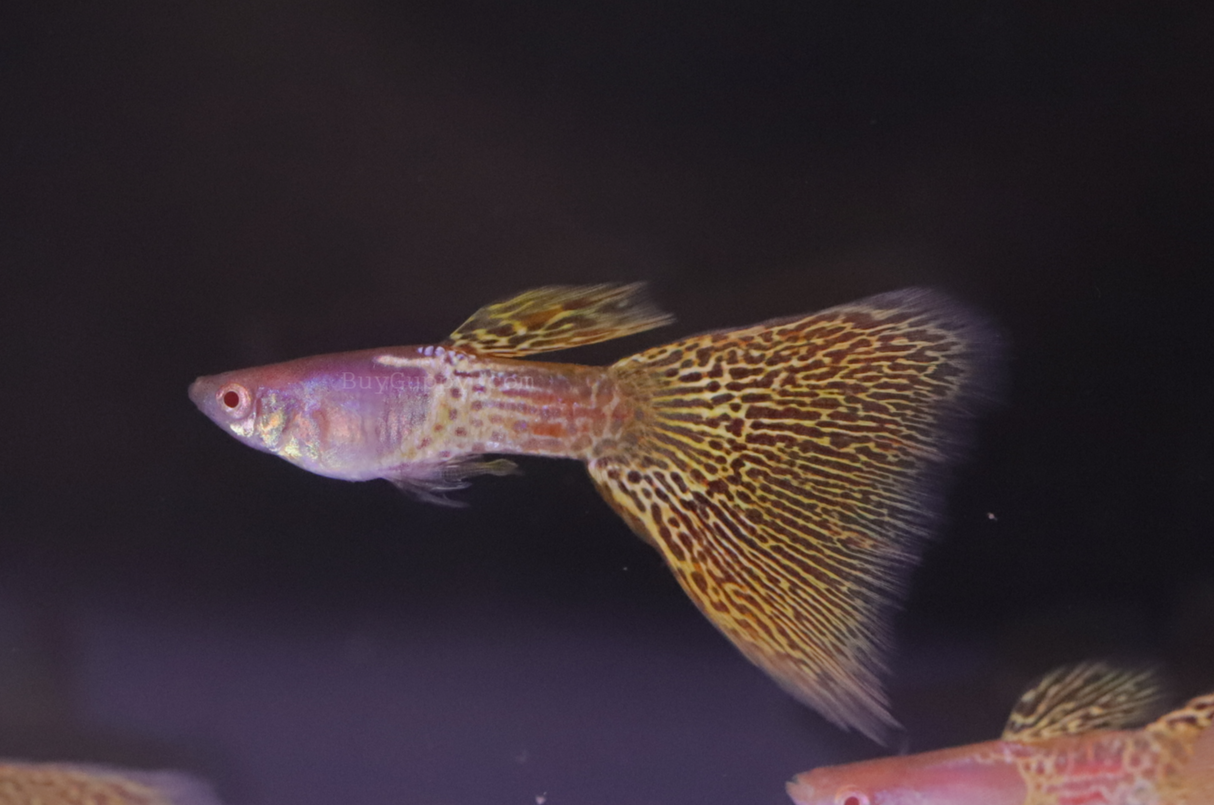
788,472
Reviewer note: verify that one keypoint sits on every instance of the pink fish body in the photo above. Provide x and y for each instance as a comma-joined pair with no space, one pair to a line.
419,416
789,472
1054,752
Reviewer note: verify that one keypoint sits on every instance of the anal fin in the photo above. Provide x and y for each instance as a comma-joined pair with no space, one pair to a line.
430,483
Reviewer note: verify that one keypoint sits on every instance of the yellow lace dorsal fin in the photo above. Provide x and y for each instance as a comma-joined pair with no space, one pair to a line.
557,317
1085,697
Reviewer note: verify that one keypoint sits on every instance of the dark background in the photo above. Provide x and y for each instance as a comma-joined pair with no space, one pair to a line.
192,187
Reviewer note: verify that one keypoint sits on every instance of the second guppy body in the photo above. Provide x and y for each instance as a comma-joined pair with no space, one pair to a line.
1068,742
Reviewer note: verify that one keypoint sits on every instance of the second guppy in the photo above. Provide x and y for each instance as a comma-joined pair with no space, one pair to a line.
788,472
1068,742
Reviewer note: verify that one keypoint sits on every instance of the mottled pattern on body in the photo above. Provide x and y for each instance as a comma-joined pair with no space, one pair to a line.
1184,746
1121,768
497,405
791,474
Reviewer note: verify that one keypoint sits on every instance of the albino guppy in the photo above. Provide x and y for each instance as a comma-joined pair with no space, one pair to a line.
788,472
73,784
1066,743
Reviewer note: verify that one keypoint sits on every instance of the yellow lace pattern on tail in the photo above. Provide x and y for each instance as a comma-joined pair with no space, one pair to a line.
789,473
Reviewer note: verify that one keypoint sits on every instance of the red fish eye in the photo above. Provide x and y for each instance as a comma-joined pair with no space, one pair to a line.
852,797
234,399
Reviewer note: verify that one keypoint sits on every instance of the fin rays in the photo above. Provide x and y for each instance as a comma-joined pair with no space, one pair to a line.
1082,698
557,317
431,482
789,473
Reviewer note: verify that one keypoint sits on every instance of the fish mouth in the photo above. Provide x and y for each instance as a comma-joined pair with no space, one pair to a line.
200,391
801,791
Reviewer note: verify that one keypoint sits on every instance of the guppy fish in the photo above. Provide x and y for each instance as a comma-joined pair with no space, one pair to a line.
24,783
788,472
1067,743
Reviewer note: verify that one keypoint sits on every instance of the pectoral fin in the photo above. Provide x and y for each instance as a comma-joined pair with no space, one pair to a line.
557,317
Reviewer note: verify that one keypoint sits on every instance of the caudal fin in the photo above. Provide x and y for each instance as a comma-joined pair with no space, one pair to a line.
790,473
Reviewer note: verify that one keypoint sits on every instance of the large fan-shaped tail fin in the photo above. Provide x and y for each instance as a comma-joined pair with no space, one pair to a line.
790,473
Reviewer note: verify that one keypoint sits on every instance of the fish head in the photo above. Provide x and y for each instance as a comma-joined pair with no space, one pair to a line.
971,775
347,416
235,401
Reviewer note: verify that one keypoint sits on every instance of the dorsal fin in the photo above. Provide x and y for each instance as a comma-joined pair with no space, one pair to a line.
558,317
1080,698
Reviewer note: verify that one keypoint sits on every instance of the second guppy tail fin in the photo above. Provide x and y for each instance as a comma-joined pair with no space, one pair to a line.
790,473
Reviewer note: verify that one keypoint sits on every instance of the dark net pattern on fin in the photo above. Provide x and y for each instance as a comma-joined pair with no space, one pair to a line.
790,472
1082,698
557,317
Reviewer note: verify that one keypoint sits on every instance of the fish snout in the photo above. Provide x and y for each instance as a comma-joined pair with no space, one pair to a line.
199,391
801,791
222,398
